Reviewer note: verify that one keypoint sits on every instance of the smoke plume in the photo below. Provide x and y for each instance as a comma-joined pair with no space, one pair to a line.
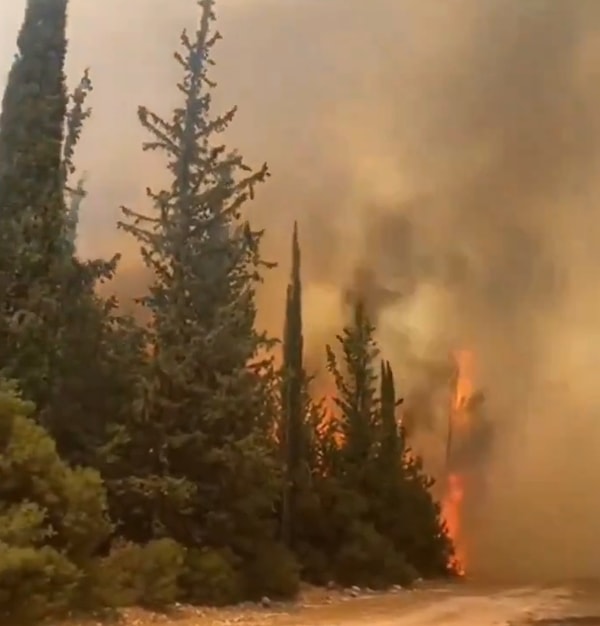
438,156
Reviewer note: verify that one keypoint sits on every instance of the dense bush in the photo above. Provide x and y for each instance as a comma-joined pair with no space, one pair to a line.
145,575
273,571
211,577
35,583
52,517
369,559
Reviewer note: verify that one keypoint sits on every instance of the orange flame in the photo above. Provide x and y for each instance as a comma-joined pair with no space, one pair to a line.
453,500
452,510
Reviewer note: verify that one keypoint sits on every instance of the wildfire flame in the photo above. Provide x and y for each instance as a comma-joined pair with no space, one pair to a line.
453,499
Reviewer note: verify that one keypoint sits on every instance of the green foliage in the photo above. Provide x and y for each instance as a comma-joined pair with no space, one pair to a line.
356,383
52,518
212,578
293,433
35,583
375,464
204,412
273,572
32,257
224,478
145,575
53,501
369,559
56,335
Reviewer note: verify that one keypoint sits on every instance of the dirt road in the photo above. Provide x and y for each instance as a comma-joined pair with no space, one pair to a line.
444,605
452,606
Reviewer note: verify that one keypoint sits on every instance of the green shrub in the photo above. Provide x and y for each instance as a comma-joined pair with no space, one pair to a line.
35,583
369,559
114,579
141,575
273,572
43,501
315,565
82,520
211,578
23,525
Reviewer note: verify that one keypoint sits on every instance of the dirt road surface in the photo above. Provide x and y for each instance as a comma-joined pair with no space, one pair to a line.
442,605
454,606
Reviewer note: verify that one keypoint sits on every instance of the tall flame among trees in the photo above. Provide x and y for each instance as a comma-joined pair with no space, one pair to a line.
458,426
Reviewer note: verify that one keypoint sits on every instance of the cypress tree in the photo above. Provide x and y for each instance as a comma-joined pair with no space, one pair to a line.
294,403
53,327
31,135
34,105
391,434
31,197
402,504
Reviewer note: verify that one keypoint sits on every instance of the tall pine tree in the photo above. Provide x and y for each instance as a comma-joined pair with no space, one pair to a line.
198,462
356,382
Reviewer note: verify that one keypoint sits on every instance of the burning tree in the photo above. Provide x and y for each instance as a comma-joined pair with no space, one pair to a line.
467,442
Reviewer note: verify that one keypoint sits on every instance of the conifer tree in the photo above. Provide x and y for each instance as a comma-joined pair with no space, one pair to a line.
31,192
199,446
356,383
54,330
402,505
294,405
34,105
391,437
392,494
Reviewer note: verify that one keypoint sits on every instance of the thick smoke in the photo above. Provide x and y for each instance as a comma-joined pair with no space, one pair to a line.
439,156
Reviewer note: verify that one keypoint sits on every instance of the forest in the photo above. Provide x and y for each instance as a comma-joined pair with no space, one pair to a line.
182,455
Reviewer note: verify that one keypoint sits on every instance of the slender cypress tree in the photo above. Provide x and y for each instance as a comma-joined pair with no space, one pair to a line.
402,504
391,440
32,119
53,327
34,105
293,392
32,211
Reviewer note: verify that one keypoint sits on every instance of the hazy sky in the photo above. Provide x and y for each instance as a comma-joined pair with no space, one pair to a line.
449,147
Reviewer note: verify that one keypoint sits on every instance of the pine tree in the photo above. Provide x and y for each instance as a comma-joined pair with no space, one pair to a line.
384,499
356,383
294,405
199,445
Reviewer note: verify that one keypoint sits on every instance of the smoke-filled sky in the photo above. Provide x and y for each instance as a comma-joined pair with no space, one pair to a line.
449,151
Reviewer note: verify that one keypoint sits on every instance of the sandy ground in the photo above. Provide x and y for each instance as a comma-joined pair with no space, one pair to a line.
444,605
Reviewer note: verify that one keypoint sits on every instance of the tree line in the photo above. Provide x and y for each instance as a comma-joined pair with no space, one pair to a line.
177,460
